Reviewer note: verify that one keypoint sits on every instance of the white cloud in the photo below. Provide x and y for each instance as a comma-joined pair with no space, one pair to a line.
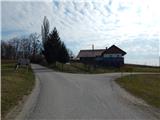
82,23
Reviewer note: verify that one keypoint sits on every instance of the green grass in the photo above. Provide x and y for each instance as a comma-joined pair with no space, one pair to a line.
14,85
90,69
65,68
145,86
82,68
139,68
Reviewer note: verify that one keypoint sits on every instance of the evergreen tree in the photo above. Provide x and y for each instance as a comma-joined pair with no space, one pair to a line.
48,52
63,54
53,48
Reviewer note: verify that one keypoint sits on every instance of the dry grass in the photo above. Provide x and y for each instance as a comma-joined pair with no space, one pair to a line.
14,85
82,68
139,68
145,86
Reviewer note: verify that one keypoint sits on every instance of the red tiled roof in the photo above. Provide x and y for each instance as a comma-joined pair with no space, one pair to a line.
99,52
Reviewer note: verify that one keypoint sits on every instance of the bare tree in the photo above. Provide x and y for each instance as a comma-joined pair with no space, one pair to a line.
23,47
15,42
7,50
3,49
36,45
71,55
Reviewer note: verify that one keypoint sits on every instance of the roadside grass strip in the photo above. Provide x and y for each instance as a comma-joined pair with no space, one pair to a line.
143,86
14,85
84,68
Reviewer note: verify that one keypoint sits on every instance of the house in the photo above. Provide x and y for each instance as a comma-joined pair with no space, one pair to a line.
112,56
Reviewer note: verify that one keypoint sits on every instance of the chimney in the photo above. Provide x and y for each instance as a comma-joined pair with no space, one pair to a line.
92,47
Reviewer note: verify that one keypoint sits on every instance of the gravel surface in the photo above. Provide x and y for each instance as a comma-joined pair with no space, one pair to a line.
85,96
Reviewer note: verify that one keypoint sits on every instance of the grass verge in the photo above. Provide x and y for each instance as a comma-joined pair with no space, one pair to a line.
76,67
139,68
14,85
80,68
143,86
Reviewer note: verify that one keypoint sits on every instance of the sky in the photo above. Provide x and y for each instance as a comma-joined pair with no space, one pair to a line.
132,25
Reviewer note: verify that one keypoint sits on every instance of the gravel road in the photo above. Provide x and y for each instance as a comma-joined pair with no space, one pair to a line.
84,96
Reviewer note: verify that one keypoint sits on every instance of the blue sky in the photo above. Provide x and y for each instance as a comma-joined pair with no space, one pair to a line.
133,25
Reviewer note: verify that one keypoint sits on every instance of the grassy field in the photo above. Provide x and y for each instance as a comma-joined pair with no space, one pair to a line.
14,85
139,68
146,87
82,68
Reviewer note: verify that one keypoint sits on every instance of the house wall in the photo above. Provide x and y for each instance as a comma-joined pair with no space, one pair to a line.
112,55
104,61
87,60
110,61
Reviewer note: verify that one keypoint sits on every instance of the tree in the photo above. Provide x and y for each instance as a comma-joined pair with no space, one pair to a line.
71,55
3,50
23,47
36,46
15,42
63,54
7,50
53,49
52,46
45,30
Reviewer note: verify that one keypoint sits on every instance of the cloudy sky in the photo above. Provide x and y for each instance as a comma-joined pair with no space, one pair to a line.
133,25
